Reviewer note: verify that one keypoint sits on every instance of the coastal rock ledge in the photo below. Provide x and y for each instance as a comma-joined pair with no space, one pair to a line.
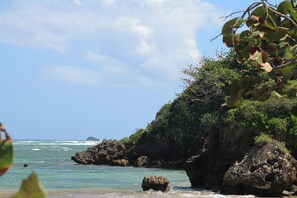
109,152
266,170
155,183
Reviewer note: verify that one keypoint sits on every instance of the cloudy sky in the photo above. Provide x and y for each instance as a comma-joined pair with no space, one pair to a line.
70,69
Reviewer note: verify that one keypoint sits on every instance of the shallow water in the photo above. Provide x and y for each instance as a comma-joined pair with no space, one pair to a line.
61,177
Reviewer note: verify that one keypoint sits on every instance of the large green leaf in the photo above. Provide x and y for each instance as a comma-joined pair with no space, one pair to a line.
260,11
228,27
30,188
6,153
285,7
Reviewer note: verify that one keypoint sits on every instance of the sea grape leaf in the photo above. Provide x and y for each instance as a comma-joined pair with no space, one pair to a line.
228,27
285,7
30,188
276,35
266,67
228,41
6,153
260,11
257,56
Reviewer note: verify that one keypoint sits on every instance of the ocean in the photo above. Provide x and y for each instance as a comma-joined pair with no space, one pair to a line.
63,178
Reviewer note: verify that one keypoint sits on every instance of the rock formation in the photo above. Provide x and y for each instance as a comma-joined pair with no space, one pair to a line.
221,150
266,170
120,162
143,162
104,153
155,183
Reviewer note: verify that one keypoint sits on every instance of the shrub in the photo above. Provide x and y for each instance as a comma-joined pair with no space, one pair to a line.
277,123
277,107
262,138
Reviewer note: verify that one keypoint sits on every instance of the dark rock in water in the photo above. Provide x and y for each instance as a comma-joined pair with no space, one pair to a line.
266,170
155,183
92,139
104,153
25,165
143,162
120,162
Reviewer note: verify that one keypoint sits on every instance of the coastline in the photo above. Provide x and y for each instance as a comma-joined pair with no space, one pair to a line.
176,192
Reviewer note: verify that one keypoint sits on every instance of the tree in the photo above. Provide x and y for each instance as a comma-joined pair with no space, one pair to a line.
264,38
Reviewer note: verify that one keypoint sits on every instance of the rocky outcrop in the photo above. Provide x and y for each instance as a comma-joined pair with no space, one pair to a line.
155,183
120,162
143,162
266,170
115,153
104,153
222,148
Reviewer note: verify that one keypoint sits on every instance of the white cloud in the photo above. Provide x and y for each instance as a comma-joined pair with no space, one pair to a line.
151,39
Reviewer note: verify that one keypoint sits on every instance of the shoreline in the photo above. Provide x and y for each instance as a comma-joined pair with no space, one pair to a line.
113,193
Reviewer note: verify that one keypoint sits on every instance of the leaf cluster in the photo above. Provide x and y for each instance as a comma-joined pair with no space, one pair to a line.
265,41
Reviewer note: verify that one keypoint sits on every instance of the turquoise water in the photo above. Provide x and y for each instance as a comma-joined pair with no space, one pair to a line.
61,177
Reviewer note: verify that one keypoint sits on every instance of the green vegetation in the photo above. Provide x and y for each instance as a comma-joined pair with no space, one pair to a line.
181,126
252,88
30,187
264,39
263,138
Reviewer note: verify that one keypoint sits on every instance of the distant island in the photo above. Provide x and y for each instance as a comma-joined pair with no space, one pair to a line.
92,139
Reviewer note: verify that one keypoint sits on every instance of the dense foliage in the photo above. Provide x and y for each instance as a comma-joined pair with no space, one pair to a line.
264,38
181,127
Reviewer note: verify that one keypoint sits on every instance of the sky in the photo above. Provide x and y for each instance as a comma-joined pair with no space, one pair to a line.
70,69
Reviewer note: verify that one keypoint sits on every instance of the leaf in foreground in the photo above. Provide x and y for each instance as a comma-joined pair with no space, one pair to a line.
30,188
6,153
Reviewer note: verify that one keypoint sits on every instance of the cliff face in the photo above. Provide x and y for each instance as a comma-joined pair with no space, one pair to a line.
223,148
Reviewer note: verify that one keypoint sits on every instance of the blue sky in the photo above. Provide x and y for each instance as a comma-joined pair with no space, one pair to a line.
77,68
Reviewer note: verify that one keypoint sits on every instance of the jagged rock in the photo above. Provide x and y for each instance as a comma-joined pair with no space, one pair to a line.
120,162
104,153
155,183
143,162
266,170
